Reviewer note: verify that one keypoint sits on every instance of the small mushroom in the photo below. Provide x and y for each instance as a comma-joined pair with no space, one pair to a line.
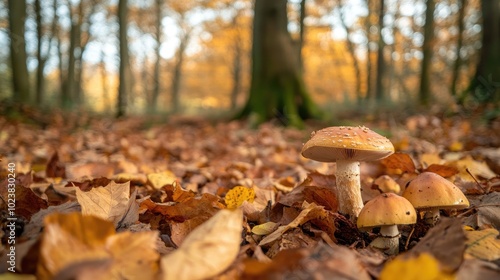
347,146
387,211
386,184
430,192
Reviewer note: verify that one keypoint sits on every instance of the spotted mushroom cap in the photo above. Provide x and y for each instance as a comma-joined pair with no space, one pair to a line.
431,191
347,142
385,210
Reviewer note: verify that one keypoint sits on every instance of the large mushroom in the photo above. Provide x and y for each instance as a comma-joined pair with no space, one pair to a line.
347,146
430,192
387,211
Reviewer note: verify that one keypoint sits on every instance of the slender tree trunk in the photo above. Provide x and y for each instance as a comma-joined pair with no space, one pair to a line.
156,74
236,71
40,79
425,76
485,86
369,70
379,84
104,82
301,34
458,60
352,53
177,77
124,87
20,75
68,94
277,89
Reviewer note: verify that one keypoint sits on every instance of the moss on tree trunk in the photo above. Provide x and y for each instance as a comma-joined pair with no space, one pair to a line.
277,89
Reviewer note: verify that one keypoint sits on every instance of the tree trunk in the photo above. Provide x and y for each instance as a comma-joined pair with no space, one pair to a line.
369,74
40,79
352,53
458,60
277,88
379,86
156,74
425,75
176,80
485,86
104,82
124,87
300,46
20,75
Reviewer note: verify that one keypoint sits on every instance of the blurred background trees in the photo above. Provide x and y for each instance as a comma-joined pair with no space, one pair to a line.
213,56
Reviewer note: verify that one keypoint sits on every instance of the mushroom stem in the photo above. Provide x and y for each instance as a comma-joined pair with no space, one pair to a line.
349,188
388,241
432,216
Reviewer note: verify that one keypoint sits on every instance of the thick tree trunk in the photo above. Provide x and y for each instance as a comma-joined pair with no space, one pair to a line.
20,75
425,75
277,89
485,86
124,86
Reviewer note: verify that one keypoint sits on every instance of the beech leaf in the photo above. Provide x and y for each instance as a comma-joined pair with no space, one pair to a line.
208,250
113,203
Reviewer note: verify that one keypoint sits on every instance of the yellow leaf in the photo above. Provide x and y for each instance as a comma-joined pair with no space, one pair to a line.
476,168
456,146
208,250
264,229
237,195
483,244
161,179
423,267
14,276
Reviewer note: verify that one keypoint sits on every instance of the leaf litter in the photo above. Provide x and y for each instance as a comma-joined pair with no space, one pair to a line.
142,201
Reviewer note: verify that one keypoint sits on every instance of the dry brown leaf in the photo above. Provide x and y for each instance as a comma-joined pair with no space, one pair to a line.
75,241
208,250
442,170
483,244
161,179
399,161
113,203
27,202
310,212
478,169
445,242
487,212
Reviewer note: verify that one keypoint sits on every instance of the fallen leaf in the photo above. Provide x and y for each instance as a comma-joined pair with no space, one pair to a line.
161,179
487,212
478,269
422,267
237,195
483,244
478,169
324,196
76,241
208,250
112,202
443,170
264,229
27,202
35,226
399,161
445,242
309,212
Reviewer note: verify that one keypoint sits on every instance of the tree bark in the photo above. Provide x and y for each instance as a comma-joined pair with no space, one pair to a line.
379,86
369,74
425,83
177,77
18,57
156,75
124,86
277,89
352,53
485,86
458,60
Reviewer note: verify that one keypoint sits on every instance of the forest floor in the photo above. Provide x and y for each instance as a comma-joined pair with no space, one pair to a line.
133,199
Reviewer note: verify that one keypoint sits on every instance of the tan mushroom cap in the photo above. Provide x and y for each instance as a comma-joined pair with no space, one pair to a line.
385,210
431,191
345,142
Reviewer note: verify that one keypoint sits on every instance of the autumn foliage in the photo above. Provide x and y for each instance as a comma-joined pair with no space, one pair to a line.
190,199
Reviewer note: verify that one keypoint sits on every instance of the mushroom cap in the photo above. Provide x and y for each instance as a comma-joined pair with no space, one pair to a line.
386,184
385,210
347,143
431,191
